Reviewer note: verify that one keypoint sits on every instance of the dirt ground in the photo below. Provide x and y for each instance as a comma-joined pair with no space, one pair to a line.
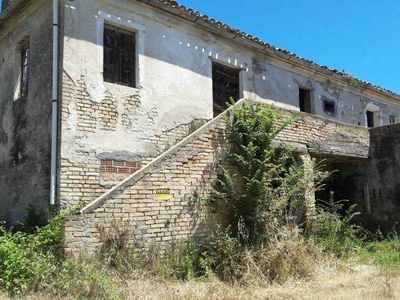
351,282
344,282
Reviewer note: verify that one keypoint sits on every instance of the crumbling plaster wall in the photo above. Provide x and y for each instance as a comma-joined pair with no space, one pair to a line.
279,82
25,123
174,87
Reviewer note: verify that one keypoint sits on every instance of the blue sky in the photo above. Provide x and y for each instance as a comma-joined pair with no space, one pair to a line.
357,36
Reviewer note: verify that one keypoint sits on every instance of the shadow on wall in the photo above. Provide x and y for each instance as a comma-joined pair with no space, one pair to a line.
383,177
180,49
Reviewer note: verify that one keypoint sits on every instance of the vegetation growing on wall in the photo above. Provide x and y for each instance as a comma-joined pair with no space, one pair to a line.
264,184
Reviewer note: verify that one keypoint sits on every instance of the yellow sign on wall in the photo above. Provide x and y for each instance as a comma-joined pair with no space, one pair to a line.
163,194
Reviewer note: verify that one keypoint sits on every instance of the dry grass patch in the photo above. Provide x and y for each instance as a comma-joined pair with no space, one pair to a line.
331,281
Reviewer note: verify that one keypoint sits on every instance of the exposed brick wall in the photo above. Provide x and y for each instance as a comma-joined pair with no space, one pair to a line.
188,171
108,114
81,179
80,182
324,136
112,170
85,109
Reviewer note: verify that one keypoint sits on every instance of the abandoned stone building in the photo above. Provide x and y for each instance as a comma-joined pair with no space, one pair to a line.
114,104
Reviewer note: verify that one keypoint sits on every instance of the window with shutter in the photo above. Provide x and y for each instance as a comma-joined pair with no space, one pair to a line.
119,56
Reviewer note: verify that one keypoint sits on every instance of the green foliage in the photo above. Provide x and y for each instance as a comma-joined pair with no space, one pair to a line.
262,195
263,186
384,251
83,278
180,260
333,231
224,256
27,258
35,218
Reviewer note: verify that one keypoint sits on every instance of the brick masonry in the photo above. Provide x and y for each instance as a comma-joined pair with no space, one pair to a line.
85,177
187,170
187,173
322,136
112,170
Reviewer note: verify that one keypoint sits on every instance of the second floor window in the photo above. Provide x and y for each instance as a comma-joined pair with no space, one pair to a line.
305,100
119,56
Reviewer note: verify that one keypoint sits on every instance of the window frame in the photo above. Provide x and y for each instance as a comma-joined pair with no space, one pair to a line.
227,71
370,118
118,70
24,70
329,103
393,118
22,64
310,100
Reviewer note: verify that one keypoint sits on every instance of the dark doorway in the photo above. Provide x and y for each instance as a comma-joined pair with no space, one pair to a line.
370,119
226,85
305,100
345,186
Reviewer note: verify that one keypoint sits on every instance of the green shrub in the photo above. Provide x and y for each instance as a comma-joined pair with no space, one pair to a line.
263,186
36,217
333,231
25,259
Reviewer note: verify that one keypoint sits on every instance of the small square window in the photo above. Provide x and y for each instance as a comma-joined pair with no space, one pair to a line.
119,56
393,119
329,107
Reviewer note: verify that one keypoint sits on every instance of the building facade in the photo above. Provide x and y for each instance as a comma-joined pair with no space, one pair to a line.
137,77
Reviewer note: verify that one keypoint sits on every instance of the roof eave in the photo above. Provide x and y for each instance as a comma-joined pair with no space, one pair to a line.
276,52
5,14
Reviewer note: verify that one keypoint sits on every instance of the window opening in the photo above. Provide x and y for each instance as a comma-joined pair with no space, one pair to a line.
305,100
24,70
370,119
329,107
226,85
119,56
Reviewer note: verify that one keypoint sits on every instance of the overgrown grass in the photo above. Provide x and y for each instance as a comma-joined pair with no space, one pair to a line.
31,264
384,251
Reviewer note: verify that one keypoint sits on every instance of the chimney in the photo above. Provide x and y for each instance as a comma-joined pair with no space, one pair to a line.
5,3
